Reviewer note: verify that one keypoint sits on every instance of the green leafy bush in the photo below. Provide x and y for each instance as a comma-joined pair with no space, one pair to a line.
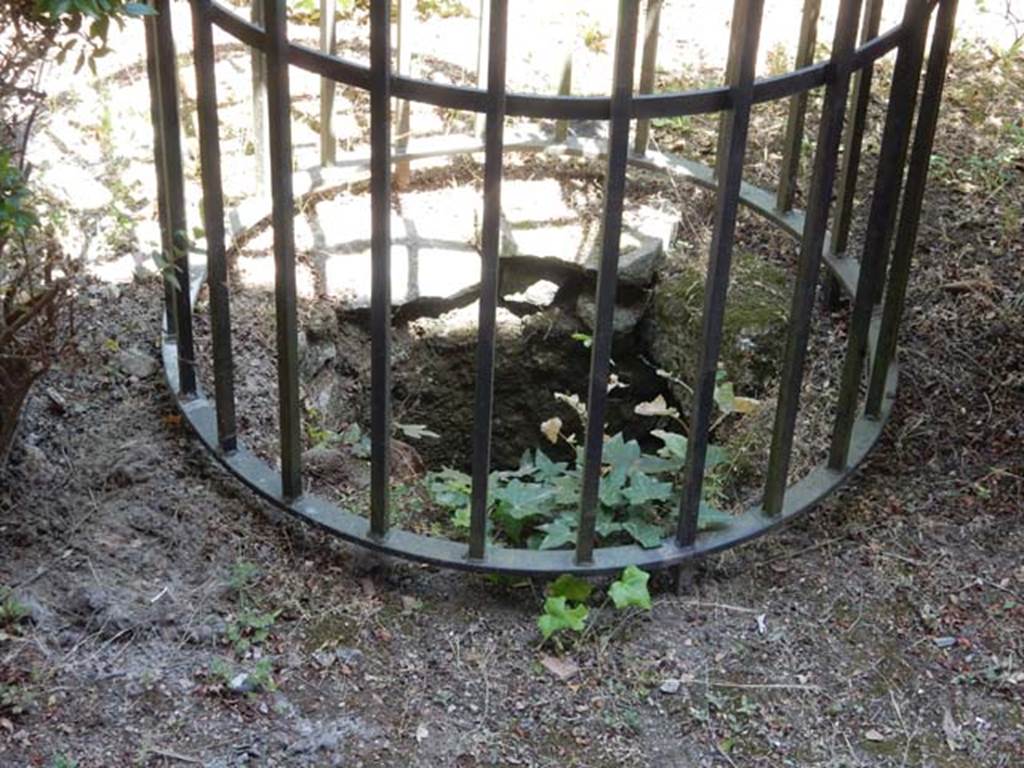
76,22
35,302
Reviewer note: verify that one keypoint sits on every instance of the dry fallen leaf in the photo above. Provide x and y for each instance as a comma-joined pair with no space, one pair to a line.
656,407
872,735
951,729
563,669
551,429
745,404
614,383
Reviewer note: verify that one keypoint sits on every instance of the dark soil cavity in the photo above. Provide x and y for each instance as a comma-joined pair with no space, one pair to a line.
538,355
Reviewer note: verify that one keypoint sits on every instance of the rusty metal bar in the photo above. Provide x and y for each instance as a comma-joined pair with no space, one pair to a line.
884,201
793,144
280,123
607,276
174,191
380,257
743,44
854,140
213,223
830,131
158,161
489,276
913,203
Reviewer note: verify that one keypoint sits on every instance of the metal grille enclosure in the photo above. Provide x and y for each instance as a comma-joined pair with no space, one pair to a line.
874,280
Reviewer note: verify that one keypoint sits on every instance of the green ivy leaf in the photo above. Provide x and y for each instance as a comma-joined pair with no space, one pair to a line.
725,397
567,489
643,489
584,338
572,588
709,518
675,444
558,616
631,589
558,533
657,465
716,456
645,534
611,485
449,488
547,469
606,525
521,500
352,434
460,518
619,454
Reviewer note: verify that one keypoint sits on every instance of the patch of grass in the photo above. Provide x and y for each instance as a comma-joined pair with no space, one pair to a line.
249,629
12,610
16,700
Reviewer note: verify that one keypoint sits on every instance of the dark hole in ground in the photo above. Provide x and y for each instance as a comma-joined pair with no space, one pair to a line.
539,354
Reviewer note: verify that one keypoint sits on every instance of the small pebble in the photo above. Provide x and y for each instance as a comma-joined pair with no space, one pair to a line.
670,686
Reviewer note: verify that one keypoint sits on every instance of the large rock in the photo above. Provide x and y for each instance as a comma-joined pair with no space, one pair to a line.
754,329
624,320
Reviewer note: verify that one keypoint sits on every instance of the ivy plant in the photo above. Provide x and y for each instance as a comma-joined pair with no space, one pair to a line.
566,610
536,505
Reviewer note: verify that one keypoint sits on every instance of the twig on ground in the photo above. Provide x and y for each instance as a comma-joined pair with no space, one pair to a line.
722,606
171,755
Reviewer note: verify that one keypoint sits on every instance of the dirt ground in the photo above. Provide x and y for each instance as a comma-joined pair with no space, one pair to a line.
157,614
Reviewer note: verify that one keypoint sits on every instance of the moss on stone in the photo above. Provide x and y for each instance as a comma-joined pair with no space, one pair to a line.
754,328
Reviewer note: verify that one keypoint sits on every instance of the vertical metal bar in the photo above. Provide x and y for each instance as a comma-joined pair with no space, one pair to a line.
279,118
213,222
746,29
607,276
648,69
564,89
380,256
328,44
794,140
725,116
406,9
854,138
913,199
158,157
490,241
901,161
174,180
892,155
482,41
830,132
260,133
